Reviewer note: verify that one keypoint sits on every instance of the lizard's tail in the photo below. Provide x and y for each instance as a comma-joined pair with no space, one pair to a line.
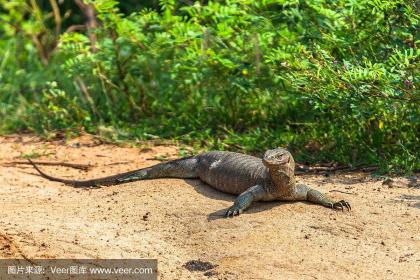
111,180
179,168
87,183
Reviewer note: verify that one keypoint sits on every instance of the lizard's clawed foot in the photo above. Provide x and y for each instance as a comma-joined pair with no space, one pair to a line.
341,205
235,210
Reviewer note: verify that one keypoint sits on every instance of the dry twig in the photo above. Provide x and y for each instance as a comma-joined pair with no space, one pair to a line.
85,167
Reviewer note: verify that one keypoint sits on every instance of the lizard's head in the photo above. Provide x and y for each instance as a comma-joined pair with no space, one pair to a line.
281,166
275,158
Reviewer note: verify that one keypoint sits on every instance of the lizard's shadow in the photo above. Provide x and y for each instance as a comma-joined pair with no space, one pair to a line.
208,191
254,208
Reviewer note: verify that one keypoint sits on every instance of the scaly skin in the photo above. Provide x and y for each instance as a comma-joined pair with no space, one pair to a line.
251,178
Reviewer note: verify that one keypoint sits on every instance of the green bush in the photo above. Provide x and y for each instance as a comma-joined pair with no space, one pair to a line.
333,80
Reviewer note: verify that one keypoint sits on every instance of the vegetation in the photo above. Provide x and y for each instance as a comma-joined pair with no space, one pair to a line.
336,81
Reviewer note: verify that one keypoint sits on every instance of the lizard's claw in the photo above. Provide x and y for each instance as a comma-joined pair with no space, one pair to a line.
341,205
233,211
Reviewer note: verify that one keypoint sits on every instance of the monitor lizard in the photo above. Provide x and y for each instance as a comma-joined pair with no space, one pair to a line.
251,178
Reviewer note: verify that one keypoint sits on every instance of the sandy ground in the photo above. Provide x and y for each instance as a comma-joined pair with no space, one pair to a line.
176,221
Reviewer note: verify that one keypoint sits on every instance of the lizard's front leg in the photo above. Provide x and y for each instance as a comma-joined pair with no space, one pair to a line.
245,199
304,192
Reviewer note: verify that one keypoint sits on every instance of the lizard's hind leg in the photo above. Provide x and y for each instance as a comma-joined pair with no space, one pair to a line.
185,168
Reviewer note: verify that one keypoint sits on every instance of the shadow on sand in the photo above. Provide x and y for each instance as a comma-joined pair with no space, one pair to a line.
208,191
413,199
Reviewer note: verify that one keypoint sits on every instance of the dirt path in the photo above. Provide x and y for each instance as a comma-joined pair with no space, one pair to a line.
176,221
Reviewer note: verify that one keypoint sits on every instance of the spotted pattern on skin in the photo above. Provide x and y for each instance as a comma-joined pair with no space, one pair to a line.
215,164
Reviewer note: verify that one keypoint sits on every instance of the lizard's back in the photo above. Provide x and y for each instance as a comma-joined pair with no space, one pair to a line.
231,172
